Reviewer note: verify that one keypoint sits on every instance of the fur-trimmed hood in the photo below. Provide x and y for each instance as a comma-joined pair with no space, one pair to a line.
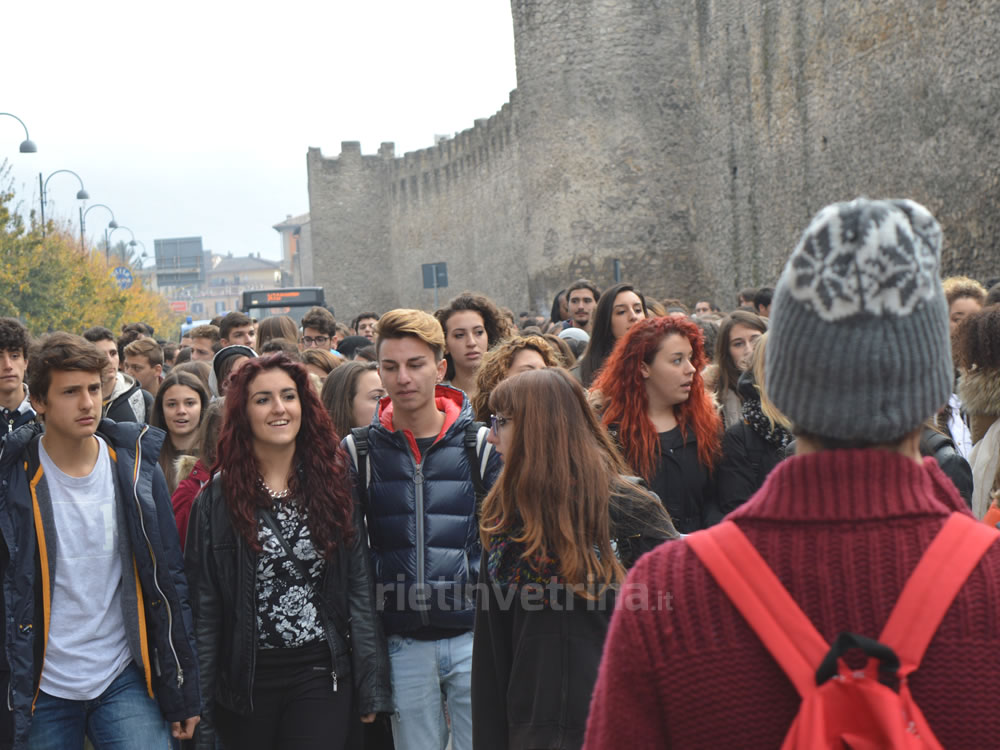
980,392
183,465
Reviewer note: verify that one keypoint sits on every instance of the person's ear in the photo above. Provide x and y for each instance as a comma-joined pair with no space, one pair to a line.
37,403
442,369
644,370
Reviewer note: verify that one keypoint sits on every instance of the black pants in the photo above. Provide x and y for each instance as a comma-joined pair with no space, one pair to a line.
294,705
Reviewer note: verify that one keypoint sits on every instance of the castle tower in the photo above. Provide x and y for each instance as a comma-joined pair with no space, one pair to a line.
606,129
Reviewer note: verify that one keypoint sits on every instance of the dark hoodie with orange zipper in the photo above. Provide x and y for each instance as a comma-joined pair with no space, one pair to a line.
154,590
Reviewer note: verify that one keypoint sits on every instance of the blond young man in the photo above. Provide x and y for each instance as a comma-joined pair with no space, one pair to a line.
421,513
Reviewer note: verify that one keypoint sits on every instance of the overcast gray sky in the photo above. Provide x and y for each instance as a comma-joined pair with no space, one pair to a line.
193,118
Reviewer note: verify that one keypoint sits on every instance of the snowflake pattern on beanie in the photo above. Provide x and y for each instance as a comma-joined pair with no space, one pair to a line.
866,257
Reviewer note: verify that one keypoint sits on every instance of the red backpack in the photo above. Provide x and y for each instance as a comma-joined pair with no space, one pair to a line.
840,707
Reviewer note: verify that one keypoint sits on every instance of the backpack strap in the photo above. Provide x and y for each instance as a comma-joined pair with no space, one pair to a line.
765,604
932,587
357,446
478,450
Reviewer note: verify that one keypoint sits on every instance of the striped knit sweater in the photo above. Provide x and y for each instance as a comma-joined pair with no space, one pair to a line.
842,531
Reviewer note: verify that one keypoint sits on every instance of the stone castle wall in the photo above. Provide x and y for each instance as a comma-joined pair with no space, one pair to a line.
692,141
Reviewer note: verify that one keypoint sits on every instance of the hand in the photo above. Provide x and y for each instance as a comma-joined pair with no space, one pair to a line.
184,730
367,718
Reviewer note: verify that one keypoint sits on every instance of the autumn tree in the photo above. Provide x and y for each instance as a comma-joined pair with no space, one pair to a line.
50,283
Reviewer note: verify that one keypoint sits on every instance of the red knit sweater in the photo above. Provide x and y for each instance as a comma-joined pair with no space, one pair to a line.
842,530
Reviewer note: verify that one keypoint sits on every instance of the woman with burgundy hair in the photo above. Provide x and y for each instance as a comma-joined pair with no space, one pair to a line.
655,405
289,642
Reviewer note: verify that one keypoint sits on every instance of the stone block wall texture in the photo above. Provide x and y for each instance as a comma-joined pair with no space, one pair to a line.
693,141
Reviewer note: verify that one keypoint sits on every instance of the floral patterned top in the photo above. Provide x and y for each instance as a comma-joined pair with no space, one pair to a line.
288,614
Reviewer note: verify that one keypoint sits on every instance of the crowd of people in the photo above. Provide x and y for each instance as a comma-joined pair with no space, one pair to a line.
601,528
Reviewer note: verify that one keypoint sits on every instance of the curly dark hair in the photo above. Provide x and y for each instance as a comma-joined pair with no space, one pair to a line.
993,296
14,336
322,483
496,323
977,341
362,316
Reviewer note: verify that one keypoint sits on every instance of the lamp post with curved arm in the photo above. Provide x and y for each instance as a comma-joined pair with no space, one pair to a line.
81,194
83,222
27,145
107,246
145,254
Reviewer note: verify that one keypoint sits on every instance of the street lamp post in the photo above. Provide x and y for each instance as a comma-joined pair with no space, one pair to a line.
83,219
107,241
81,194
27,145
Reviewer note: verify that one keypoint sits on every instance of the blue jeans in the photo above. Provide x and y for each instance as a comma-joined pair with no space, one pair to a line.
123,717
425,674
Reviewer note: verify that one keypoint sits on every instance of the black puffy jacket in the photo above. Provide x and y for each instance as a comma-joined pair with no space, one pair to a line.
159,626
222,573
423,521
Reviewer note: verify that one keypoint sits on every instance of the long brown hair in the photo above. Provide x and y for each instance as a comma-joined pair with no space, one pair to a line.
322,485
169,453
339,391
602,340
729,372
554,492
276,327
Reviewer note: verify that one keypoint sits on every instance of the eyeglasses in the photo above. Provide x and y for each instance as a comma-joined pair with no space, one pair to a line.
497,422
318,340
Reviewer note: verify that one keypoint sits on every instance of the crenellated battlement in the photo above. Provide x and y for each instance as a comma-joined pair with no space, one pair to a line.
435,168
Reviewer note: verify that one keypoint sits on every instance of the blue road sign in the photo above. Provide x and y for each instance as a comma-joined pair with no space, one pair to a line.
123,276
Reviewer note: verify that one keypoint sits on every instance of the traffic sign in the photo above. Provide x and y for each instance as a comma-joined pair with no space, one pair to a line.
123,276
180,306
435,275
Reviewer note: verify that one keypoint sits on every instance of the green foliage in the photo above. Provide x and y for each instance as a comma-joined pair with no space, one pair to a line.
51,283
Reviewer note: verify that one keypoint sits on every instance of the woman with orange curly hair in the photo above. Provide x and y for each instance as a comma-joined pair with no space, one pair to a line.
655,404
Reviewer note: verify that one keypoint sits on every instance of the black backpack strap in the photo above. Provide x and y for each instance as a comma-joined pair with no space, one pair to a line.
357,446
931,441
478,450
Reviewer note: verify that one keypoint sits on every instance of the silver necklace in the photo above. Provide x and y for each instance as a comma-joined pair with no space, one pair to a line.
274,495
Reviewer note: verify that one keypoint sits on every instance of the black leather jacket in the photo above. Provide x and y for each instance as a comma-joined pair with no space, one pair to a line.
221,570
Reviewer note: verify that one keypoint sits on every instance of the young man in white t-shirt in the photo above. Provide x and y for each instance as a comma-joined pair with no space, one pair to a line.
96,599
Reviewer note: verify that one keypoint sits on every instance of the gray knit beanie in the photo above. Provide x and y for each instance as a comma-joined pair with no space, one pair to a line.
858,348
